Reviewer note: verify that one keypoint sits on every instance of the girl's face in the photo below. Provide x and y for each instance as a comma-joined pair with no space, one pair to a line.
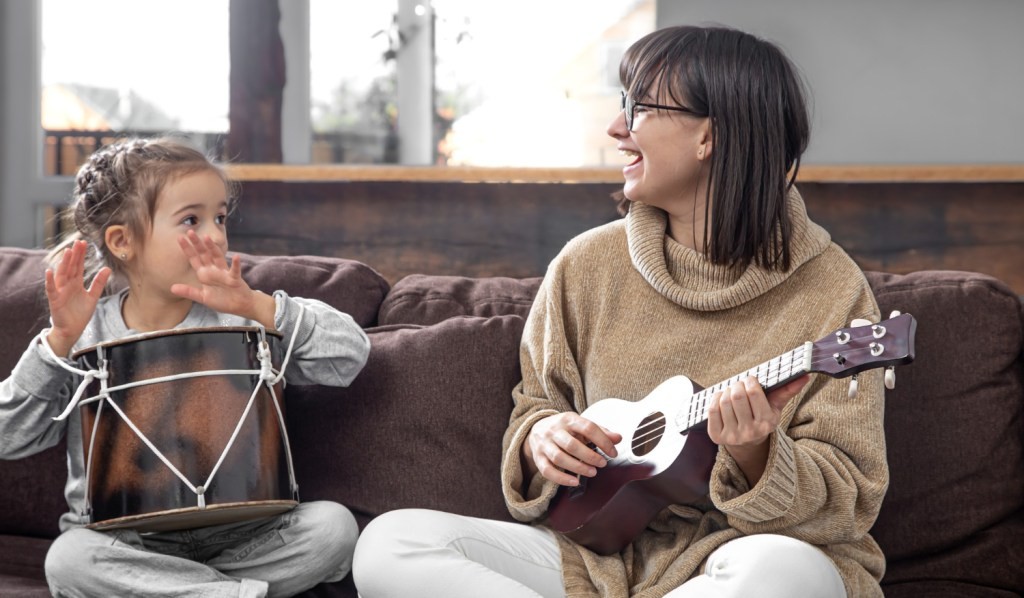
668,149
196,201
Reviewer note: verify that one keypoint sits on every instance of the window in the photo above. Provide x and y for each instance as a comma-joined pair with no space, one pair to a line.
515,84
112,68
530,83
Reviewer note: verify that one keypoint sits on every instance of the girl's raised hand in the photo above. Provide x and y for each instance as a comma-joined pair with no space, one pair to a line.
221,287
71,304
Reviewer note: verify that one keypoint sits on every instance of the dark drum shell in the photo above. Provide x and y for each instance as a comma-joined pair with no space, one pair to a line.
190,421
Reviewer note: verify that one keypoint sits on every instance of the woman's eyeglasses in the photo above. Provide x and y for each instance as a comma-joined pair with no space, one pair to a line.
628,106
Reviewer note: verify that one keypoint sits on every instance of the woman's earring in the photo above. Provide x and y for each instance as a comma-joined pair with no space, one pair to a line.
123,256
700,153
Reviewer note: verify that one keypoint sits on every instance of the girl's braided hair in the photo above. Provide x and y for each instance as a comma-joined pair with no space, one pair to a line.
120,184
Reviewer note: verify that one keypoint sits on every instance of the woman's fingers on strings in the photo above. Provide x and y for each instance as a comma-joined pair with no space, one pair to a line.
744,397
577,456
554,473
782,395
715,424
594,435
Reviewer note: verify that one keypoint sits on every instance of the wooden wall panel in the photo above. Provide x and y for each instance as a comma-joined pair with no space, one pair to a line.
514,229
399,228
902,227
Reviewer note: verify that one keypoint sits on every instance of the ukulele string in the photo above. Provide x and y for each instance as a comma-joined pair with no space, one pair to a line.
703,395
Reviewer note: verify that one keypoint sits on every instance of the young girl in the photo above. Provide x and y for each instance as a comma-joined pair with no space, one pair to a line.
154,211
715,268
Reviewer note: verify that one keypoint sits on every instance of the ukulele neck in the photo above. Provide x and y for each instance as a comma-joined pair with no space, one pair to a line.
771,374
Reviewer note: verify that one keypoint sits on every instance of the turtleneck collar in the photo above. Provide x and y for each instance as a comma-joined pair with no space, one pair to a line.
686,278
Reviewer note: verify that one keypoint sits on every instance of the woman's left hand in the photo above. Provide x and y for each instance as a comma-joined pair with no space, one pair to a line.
221,287
742,417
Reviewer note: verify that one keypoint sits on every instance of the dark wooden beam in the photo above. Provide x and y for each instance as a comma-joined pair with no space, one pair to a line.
256,82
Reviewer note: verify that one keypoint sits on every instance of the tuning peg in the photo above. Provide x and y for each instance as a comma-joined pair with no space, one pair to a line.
890,377
860,322
894,313
852,393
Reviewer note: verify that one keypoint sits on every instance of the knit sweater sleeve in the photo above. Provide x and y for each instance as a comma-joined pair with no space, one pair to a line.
551,384
826,473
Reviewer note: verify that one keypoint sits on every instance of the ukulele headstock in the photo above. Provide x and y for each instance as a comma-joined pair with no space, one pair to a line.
855,349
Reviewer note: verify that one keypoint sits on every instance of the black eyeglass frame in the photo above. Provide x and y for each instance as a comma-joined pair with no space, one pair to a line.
628,108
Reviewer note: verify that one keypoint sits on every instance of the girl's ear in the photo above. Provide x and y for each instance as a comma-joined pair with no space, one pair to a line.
118,242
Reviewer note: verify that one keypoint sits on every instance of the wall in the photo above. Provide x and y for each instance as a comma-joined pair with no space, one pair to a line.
403,226
908,81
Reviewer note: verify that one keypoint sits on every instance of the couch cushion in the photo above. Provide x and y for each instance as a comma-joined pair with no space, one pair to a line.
347,285
420,426
426,300
955,433
23,311
21,567
33,497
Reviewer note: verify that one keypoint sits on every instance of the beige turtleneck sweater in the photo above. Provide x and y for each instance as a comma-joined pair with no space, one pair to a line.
624,307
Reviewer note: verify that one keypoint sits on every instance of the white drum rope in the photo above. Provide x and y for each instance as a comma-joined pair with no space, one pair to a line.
267,374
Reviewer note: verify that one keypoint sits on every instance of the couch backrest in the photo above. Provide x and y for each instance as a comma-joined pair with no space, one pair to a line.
438,382
426,300
955,431
32,499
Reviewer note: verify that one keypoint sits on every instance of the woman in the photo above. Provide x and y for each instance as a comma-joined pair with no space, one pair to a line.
715,269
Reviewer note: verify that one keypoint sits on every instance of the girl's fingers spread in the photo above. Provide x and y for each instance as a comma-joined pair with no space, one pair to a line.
49,283
184,290
62,265
186,246
197,247
211,246
99,282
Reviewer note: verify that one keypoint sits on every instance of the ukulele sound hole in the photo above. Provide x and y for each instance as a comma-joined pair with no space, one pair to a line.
648,434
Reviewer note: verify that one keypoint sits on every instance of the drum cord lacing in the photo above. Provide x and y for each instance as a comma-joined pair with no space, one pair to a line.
266,373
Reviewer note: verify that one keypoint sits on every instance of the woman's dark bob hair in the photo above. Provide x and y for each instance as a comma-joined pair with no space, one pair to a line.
759,129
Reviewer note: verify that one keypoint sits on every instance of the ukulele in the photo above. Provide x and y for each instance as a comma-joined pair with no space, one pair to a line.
665,456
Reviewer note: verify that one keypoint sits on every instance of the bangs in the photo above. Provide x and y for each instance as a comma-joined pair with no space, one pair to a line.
662,65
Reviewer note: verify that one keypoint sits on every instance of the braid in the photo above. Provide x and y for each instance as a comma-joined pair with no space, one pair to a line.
119,185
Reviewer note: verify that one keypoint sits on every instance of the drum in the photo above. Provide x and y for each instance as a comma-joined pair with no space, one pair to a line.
185,429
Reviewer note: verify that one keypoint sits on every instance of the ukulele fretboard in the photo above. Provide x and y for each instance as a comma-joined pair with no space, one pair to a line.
771,374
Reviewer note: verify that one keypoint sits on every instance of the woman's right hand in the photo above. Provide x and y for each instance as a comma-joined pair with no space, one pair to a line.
71,304
560,448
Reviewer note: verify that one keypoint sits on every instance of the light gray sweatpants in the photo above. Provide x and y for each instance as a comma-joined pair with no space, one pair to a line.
415,552
276,556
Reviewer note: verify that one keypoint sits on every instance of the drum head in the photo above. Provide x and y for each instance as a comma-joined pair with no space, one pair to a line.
191,518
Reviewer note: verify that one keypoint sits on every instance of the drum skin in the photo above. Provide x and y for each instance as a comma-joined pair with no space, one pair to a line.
190,421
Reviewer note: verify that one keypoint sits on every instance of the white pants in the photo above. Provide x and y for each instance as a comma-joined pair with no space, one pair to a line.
415,552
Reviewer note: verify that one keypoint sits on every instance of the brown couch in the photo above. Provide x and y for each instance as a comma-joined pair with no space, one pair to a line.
422,424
